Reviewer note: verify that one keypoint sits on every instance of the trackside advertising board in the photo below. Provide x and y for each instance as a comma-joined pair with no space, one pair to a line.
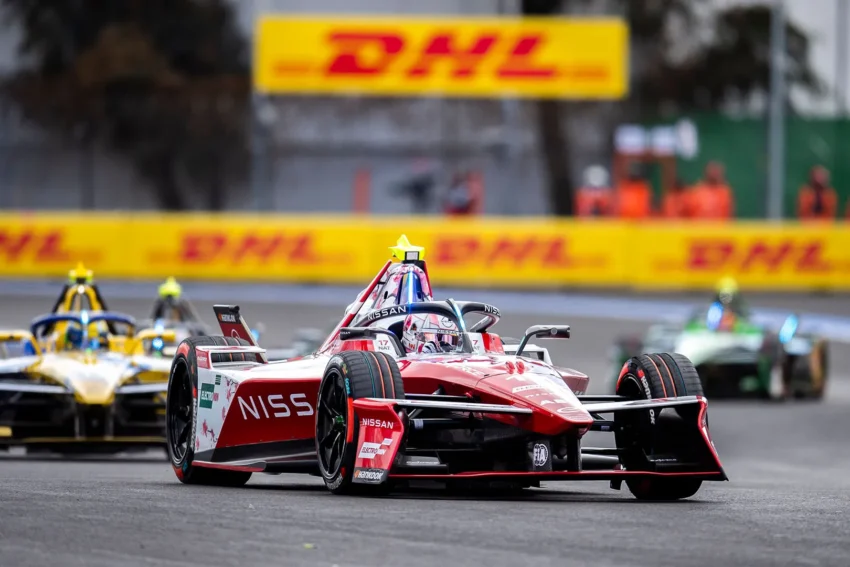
581,58
491,252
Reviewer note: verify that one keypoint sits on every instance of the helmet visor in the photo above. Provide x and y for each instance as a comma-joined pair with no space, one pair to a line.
451,338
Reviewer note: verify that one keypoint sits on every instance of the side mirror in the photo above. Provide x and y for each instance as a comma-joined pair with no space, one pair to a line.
543,332
351,333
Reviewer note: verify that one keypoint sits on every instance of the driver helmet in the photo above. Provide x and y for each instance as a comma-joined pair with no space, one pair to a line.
727,291
101,341
73,338
429,333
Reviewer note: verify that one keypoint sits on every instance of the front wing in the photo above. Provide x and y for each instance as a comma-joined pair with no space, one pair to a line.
382,454
50,415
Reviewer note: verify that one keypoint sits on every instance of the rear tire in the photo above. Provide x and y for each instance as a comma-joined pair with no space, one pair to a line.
180,416
349,376
654,376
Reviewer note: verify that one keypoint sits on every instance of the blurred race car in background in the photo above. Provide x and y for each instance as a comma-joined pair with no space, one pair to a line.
82,382
172,311
736,357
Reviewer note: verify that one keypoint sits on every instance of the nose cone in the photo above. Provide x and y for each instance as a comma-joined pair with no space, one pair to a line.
92,380
93,390
557,408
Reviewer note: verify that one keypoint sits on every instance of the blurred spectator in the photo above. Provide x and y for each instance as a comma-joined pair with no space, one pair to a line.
817,200
595,198
459,198
419,186
712,198
675,204
634,195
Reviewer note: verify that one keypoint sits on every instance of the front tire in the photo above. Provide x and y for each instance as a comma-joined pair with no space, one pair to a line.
806,375
349,376
180,416
654,376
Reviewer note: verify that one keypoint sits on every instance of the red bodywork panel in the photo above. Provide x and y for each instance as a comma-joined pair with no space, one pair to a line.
264,411
267,409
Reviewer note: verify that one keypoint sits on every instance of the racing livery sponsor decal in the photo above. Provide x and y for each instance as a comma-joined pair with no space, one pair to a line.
525,388
252,406
369,476
274,406
468,57
387,312
372,422
203,359
369,450
648,394
206,395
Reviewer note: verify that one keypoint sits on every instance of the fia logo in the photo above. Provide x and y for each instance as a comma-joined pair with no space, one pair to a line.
541,455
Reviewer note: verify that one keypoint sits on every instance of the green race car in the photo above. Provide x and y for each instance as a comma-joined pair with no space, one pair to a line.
736,358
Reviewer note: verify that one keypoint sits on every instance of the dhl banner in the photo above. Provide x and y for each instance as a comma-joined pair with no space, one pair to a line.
491,252
583,58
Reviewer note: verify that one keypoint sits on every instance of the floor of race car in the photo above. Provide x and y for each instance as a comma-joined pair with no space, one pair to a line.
786,502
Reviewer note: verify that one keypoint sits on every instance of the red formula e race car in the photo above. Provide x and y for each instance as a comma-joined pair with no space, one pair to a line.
409,388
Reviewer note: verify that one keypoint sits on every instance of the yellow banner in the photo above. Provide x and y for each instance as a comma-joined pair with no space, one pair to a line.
490,252
759,255
583,58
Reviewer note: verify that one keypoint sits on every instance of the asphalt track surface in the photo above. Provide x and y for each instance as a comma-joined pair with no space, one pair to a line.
786,503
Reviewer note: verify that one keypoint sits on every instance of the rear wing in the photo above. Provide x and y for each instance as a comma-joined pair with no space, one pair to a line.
232,324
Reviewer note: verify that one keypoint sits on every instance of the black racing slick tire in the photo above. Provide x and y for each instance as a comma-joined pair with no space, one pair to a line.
349,376
180,416
641,434
807,374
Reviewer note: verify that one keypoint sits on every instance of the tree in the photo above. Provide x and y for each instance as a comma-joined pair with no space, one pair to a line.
733,63
164,83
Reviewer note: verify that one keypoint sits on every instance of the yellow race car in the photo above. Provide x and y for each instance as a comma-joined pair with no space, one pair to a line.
82,381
